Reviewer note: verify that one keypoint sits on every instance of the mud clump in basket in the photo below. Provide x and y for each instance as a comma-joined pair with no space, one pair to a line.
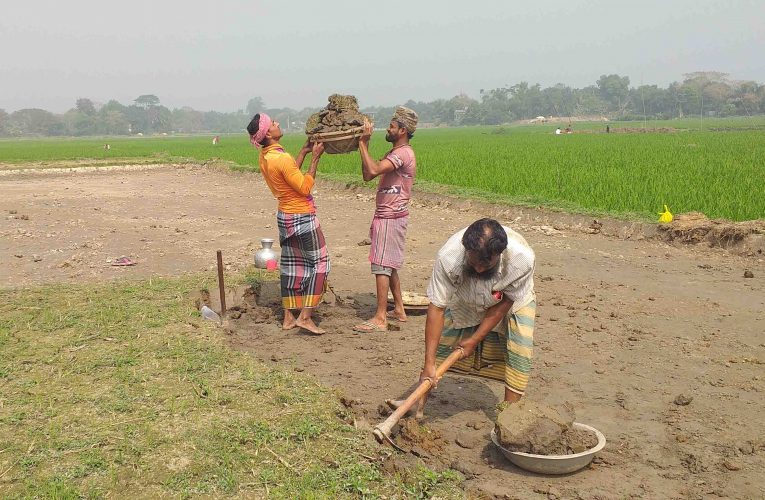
530,427
342,113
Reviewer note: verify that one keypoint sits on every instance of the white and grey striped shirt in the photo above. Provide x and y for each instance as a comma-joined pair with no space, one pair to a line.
468,296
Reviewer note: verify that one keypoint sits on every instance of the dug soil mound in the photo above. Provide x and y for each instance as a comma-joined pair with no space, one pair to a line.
530,427
255,304
695,227
418,439
342,113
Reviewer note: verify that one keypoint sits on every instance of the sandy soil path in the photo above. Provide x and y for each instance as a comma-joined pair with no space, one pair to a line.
625,323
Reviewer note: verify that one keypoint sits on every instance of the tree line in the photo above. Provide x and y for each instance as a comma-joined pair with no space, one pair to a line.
146,116
705,93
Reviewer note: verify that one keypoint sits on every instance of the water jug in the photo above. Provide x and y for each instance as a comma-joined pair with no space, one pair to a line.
266,258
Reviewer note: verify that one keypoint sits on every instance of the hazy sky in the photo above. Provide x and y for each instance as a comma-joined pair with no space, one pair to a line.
219,54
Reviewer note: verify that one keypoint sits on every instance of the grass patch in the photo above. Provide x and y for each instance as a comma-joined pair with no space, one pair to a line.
122,389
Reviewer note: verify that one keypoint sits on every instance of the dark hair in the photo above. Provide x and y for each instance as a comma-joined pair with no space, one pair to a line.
252,128
486,237
402,125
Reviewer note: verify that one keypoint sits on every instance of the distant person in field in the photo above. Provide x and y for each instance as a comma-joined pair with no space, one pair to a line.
216,140
557,131
388,230
304,262
107,147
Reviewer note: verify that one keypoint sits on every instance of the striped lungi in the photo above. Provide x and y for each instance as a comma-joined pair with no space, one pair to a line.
304,261
504,357
388,237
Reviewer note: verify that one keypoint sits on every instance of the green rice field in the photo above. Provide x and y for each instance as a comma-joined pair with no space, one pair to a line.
719,170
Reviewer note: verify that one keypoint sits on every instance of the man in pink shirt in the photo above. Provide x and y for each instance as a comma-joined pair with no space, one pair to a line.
388,231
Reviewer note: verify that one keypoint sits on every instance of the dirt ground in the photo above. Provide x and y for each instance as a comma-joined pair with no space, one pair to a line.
627,323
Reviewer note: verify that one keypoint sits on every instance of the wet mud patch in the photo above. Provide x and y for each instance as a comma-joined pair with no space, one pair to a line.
419,440
531,427
255,314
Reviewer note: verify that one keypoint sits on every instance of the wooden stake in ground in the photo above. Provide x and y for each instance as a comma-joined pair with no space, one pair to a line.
221,286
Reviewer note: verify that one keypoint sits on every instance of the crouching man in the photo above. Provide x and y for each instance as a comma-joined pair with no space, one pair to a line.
482,300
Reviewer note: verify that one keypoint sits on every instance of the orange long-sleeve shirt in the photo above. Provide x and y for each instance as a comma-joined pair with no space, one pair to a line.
290,186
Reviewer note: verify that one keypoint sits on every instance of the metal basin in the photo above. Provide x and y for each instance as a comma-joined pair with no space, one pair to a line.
553,464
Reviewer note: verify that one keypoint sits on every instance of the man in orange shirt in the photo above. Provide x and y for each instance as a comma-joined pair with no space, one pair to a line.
304,262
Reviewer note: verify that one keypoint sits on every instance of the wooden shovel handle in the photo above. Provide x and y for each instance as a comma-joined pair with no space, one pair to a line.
382,431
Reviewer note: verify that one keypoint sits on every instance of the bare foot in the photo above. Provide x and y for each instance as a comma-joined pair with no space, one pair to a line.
289,321
398,316
417,410
308,324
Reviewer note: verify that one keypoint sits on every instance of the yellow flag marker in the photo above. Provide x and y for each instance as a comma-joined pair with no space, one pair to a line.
665,216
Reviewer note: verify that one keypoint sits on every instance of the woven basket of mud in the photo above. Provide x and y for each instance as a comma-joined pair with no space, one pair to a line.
340,141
